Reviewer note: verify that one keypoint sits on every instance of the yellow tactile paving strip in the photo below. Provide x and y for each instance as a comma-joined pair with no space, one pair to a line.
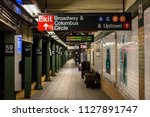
20,95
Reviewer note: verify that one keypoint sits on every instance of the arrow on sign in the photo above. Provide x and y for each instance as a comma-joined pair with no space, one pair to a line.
45,26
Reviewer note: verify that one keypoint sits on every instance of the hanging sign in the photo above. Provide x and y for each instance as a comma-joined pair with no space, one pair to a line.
79,38
84,21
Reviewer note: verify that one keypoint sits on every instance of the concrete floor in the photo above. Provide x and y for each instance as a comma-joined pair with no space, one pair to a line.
68,85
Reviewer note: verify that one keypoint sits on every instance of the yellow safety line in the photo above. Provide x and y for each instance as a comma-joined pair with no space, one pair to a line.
20,94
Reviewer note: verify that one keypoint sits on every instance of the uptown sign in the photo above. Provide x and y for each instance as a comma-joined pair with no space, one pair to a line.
84,22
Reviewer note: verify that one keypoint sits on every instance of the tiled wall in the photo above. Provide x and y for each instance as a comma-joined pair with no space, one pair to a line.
127,60
109,48
128,67
92,50
147,52
98,57
96,47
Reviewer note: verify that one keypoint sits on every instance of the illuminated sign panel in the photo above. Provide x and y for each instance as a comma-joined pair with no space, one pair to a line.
83,46
79,38
84,21
45,22
19,44
19,2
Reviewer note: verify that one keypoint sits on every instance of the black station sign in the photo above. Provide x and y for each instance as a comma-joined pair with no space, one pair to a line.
28,51
79,38
84,21
39,51
9,49
53,52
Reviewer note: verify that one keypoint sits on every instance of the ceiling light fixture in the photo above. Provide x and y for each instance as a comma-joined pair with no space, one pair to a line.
51,33
56,38
32,9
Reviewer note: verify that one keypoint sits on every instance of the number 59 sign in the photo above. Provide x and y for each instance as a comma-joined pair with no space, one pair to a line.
9,49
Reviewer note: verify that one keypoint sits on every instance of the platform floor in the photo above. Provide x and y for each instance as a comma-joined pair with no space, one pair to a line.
68,85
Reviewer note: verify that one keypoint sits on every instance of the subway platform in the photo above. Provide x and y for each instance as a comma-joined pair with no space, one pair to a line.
68,85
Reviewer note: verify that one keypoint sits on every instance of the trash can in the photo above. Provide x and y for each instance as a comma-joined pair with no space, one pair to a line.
85,65
92,80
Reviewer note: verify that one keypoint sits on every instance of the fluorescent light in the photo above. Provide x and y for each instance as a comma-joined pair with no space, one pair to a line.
32,9
54,36
51,33
36,19
59,40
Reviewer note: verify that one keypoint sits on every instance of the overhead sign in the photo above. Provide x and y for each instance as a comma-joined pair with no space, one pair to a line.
73,47
84,21
83,46
79,38
45,22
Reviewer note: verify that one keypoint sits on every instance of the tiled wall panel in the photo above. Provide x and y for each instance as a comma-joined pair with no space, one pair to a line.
96,49
147,52
92,50
109,48
98,57
128,61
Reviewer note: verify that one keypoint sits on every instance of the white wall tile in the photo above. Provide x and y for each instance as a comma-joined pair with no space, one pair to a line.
109,43
131,46
147,52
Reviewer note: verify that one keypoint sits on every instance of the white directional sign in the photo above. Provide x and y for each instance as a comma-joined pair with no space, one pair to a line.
46,26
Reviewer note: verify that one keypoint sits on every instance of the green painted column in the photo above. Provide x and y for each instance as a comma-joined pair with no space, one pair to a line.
38,85
50,52
47,61
9,67
64,57
60,58
53,59
28,70
56,55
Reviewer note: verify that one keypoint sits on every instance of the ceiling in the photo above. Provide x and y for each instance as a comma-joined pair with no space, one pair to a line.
4,27
79,6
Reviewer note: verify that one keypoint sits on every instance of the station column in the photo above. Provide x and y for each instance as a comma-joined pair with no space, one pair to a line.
60,57
9,67
48,60
53,59
28,69
38,85
63,57
57,53
66,52
141,50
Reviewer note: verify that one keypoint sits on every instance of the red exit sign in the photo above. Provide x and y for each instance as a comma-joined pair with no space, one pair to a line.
45,22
